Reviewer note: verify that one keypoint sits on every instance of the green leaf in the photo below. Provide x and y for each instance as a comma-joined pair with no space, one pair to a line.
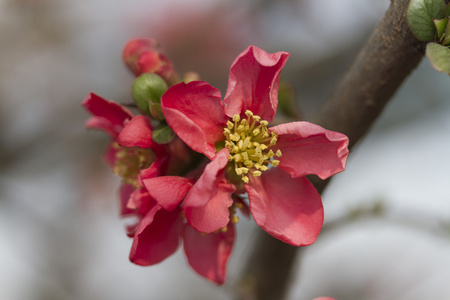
163,134
446,38
447,10
439,57
420,16
440,27
148,88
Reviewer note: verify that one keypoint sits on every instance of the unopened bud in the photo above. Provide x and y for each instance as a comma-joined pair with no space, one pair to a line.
143,55
147,91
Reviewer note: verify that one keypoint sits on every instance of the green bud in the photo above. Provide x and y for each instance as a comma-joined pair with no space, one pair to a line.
163,134
440,27
148,89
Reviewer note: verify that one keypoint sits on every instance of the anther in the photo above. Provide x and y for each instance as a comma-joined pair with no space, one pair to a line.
278,153
275,162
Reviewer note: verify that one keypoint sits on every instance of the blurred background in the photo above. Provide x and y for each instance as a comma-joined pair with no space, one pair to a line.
387,217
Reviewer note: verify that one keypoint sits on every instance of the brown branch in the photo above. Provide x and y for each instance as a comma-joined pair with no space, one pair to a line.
385,60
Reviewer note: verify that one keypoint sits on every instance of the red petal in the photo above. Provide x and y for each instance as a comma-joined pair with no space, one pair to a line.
136,133
114,113
125,192
140,201
208,254
206,204
310,149
168,191
157,237
290,209
100,123
253,83
195,112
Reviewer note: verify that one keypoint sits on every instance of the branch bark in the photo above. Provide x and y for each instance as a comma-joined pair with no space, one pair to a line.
385,60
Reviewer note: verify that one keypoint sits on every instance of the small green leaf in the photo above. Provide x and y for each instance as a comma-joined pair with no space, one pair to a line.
439,57
446,38
440,27
447,10
148,88
163,134
420,16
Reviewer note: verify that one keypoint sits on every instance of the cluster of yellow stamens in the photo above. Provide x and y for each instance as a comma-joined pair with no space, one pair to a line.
249,142
129,161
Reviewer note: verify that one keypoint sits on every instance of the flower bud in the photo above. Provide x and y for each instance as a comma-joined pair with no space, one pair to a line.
147,91
145,56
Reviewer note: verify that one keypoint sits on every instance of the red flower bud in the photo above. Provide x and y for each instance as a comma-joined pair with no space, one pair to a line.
143,55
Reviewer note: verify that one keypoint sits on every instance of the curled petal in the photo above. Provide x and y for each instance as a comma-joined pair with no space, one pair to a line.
208,254
108,115
140,201
157,237
195,113
168,191
253,83
206,204
289,209
310,149
136,133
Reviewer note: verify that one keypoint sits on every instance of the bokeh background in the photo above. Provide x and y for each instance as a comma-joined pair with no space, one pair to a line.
387,217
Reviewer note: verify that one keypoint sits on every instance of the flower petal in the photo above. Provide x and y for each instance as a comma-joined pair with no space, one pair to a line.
168,191
310,149
195,113
289,209
253,83
208,254
136,133
206,204
157,237
108,115
125,193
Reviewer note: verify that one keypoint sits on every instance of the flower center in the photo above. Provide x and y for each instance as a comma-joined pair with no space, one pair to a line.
129,161
249,142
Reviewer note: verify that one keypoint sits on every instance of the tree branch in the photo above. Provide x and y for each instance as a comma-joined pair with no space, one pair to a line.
385,60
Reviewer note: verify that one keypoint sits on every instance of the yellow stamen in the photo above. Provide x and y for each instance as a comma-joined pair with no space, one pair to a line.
249,141
257,173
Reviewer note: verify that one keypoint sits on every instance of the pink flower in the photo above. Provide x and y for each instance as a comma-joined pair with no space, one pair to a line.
282,201
159,226
324,298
